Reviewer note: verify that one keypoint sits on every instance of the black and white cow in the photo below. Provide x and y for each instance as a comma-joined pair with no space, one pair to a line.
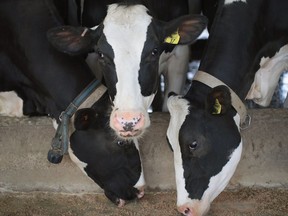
114,164
93,13
128,45
47,81
204,126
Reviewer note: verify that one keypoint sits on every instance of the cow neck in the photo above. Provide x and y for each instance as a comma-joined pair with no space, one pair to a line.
59,145
212,82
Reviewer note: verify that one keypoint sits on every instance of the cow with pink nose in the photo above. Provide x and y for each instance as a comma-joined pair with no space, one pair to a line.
128,45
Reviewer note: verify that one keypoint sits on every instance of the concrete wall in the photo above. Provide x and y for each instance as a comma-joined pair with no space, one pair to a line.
24,143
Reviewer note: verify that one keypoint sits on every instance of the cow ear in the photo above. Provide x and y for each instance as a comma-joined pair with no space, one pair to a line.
219,100
84,118
185,29
72,40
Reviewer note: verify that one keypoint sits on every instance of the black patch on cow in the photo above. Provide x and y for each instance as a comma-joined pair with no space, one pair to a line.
149,65
206,142
112,163
114,168
44,78
105,64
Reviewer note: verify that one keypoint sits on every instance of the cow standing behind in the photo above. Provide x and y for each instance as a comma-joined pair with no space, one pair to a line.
204,125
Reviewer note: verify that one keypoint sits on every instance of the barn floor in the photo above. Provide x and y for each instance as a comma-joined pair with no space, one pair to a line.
243,202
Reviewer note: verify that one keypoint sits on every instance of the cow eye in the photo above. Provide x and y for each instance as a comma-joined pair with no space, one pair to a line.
193,145
154,52
121,142
100,54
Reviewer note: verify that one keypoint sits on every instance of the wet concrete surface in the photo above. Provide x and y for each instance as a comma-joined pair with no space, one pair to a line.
240,202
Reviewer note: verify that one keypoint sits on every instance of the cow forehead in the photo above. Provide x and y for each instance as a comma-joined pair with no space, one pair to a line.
125,29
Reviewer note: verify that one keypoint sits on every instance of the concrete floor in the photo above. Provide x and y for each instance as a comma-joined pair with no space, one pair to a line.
243,202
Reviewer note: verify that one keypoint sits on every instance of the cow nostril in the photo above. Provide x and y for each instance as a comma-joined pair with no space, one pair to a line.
128,126
186,211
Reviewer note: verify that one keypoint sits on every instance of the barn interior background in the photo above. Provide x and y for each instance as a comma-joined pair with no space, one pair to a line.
24,168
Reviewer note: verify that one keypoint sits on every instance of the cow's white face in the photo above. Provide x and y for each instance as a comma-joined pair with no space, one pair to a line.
128,45
126,30
207,150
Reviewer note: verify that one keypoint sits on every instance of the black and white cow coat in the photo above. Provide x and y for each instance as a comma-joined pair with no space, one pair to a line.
48,80
173,63
115,165
128,45
204,126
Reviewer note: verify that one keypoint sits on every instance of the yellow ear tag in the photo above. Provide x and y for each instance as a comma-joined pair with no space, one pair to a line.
173,38
217,107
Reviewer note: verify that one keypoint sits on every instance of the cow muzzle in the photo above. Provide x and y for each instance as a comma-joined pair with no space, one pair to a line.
128,124
197,208
187,211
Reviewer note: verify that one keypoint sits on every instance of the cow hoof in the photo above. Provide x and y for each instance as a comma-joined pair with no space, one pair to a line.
141,193
54,157
120,203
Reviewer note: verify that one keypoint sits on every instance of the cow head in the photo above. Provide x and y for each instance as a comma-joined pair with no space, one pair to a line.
128,44
207,148
113,164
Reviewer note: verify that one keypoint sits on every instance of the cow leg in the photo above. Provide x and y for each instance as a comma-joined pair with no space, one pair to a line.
267,77
119,202
10,104
141,182
177,68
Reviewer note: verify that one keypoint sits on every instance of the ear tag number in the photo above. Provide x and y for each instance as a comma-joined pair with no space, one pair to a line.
173,38
217,107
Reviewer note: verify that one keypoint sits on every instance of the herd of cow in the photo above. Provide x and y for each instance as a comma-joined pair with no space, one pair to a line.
43,58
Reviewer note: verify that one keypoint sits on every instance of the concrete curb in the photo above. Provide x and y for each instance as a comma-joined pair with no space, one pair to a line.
25,141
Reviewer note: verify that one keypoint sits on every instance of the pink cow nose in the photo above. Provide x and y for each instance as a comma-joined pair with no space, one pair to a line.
187,211
128,124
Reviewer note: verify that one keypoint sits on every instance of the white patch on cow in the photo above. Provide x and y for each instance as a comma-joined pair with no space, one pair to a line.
10,104
82,165
231,1
125,29
267,77
79,163
178,108
141,181
55,124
